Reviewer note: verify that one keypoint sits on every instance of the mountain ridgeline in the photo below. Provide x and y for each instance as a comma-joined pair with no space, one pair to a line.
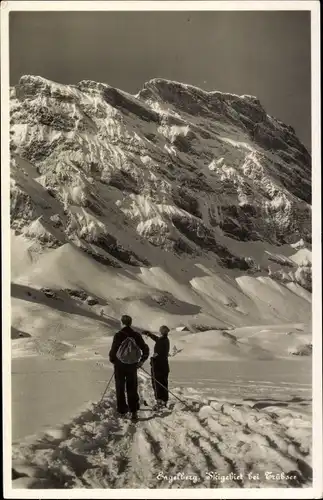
173,170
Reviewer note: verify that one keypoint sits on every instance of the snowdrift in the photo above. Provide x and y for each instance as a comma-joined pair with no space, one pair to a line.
257,343
203,442
65,295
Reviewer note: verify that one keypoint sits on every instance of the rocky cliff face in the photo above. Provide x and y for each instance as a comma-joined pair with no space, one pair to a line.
174,168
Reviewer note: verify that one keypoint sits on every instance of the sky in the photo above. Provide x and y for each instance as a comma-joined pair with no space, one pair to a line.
264,53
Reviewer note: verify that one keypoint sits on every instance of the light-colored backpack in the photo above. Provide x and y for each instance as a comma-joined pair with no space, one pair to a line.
128,352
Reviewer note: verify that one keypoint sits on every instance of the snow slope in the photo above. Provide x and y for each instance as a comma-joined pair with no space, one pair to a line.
259,343
203,442
199,194
179,165
51,302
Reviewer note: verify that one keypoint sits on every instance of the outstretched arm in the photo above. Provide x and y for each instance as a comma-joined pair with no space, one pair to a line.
151,335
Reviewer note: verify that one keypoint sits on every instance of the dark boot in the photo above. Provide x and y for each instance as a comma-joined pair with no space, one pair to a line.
134,417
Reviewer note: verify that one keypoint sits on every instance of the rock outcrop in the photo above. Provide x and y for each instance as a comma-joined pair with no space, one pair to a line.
175,167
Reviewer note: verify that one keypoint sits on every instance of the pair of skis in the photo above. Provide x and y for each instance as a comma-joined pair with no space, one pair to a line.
157,381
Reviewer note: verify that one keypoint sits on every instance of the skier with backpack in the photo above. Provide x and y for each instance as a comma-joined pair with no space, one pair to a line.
159,366
128,353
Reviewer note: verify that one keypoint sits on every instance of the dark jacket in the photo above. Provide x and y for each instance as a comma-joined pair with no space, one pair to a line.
119,337
161,352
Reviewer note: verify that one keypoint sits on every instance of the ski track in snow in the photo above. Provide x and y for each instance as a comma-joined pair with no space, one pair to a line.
98,449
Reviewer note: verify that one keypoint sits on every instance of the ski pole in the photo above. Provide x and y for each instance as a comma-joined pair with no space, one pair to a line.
166,388
106,388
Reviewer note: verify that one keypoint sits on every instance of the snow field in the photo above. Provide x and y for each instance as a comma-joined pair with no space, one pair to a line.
220,445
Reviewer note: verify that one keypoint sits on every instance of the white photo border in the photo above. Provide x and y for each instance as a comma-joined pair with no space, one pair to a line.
316,491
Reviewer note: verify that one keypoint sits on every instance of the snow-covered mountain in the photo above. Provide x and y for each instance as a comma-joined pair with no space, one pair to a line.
179,207
198,184
177,164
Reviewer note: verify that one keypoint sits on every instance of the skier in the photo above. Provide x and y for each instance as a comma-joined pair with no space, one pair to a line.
128,353
160,366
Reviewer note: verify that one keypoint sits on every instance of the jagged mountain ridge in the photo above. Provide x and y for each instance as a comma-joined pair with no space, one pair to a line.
174,167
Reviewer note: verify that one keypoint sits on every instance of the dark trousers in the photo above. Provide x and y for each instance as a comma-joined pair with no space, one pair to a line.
159,380
126,382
